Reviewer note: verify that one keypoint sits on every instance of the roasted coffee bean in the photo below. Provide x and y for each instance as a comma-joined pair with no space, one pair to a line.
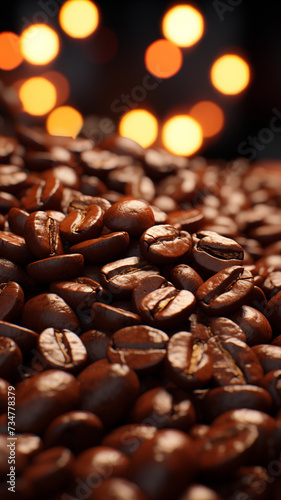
255,483
96,344
12,300
14,247
186,278
127,438
225,447
234,362
273,312
49,310
4,385
222,399
81,225
272,284
43,196
10,359
272,383
103,249
276,341
254,324
132,216
200,491
164,465
74,200
257,299
164,408
165,244
79,293
145,286
187,220
62,349
204,328
225,292
17,218
212,253
189,362
122,276
24,338
25,447
59,267
42,235
167,307
117,488
110,319
76,430
9,271
108,391
141,347
269,356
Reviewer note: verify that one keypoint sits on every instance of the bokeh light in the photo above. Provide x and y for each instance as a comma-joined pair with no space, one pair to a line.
182,135
79,18
163,59
183,25
64,121
39,44
61,84
38,96
10,54
209,115
139,125
230,74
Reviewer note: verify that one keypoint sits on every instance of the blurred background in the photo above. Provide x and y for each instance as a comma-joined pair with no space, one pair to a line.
195,77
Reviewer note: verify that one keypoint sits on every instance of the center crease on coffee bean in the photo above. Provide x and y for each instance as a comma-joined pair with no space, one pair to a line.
63,345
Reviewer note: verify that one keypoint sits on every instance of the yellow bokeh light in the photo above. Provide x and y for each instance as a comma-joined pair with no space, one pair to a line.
139,125
182,135
209,115
79,18
183,25
39,44
230,74
64,121
38,96
163,58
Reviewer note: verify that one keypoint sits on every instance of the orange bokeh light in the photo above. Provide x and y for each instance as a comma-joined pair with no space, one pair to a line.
61,84
39,44
163,59
209,115
230,74
64,121
10,54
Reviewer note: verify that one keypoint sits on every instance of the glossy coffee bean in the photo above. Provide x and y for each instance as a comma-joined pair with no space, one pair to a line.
140,347
254,324
189,362
188,220
10,359
14,247
104,249
81,225
145,286
42,235
121,277
59,267
4,385
79,293
76,430
48,310
206,327
212,253
43,196
225,292
272,284
109,319
167,307
272,384
127,438
163,408
12,300
132,216
26,447
269,356
117,488
199,491
9,271
186,278
96,344
164,244
273,312
62,349
108,391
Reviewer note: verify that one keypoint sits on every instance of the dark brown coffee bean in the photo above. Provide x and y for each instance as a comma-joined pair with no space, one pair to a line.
141,347
277,341
122,276
164,465
7,148
14,247
103,249
109,319
273,312
163,408
42,235
24,338
76,430
117,488
25,447
165,244
9,271
145,286
204,328
58,267
79,293
96,344
4,385
212,253
272,284
74,200
132,216
16,219
225,292
10,359
186,278
62,349
43,196
127,438
269,356
81,225
187,220
12,300
49,310
254,324
200,492
108,391
167,307
272,383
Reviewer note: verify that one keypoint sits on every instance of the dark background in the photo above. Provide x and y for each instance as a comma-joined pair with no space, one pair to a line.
251,29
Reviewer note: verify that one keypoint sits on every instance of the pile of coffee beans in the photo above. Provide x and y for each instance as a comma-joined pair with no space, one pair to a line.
140,323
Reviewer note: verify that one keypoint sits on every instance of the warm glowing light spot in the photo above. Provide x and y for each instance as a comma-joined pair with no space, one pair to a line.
10,54
64,121
163,59
209,115
39,44
183,25
139,125
182,135
230,74
61,84
38,96
79,18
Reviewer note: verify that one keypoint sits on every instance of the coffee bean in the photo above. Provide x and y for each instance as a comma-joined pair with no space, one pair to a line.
186,278
12,300
24,338
145,286
132,216
272,383
58,267
127,438
42,235
10,359
206,327
103,249
254,324
196,491
62,349
96,344
114,487
17,218
165,244
43,196
269,356
83,224
109,318
79,293
14,247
